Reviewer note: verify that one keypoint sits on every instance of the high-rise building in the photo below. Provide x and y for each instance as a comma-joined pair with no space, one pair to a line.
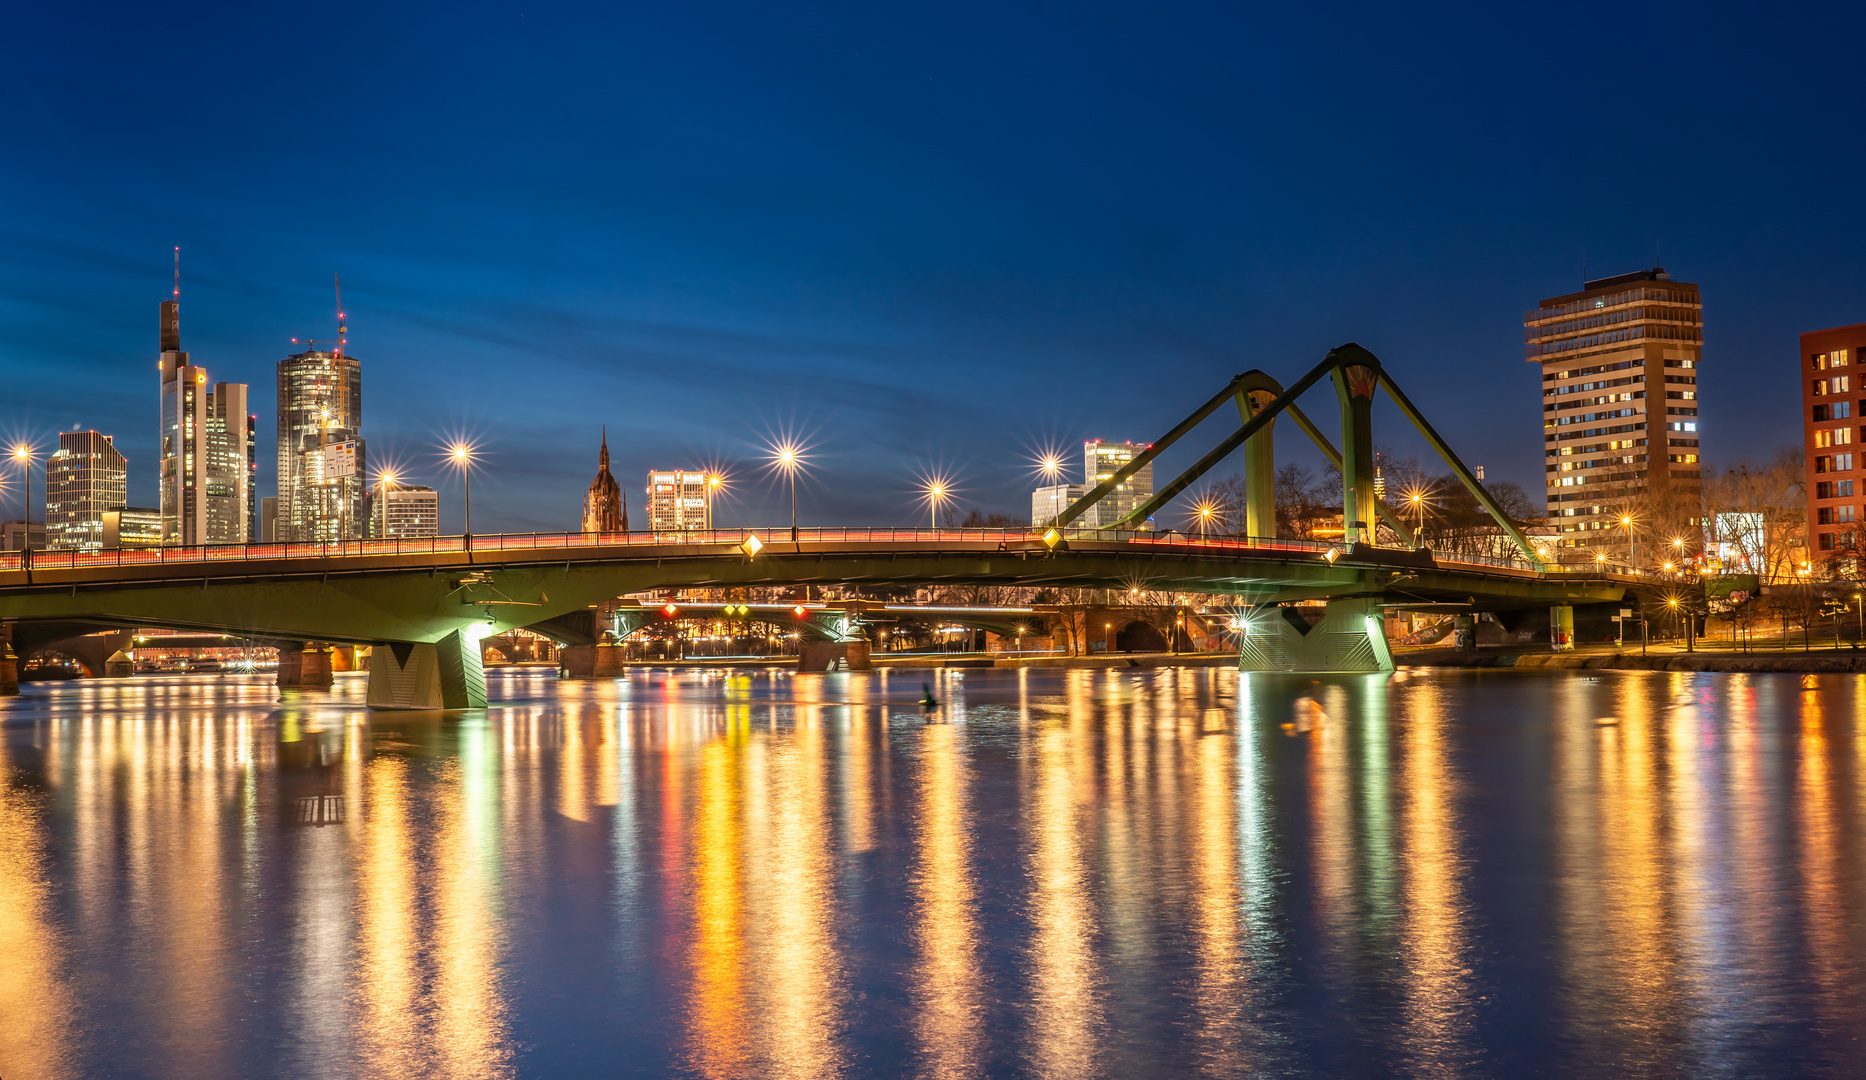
1048,502
207,467
1619,409
323,464
677,500
605,508
83,480
397,510
1830,418
1100,461
132,527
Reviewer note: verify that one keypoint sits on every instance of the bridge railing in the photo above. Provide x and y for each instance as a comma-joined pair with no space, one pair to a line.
718,538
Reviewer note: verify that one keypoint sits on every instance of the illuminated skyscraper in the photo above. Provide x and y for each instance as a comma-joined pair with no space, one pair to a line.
207,441
322,455
86,478
398,510
676,500
1619,406
1100,461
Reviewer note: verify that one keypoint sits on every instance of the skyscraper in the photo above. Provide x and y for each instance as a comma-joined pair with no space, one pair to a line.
676,500
207,467
605,508
86,478
1829,418
322,455
1048,502
1100,461
1619,409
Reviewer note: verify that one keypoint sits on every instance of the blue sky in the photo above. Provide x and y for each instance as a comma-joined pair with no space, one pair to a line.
922,236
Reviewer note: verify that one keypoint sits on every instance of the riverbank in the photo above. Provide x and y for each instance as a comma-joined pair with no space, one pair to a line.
1832,662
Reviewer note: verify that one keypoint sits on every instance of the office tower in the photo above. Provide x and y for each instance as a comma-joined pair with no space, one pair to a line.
1830,411
323,462
132,527
83,479
1047,502
1619,410
397,510
677,500
605,508
1101,460
206,467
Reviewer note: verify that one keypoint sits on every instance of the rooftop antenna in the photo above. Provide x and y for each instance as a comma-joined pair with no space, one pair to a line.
342,331
178,273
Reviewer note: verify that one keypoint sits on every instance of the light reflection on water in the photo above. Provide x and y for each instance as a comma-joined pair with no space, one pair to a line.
1064,874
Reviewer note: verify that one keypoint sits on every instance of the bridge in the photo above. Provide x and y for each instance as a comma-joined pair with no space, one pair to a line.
430,600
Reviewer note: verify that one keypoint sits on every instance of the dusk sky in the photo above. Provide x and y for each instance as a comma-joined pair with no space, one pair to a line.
919,236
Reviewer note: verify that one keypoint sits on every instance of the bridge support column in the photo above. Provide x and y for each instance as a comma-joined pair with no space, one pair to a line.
446,674
1561,627
9,664
823,655
606,660
1464,633
120,665
304,668
1350,638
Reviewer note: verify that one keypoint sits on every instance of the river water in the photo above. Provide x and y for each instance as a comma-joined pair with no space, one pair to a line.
1052,874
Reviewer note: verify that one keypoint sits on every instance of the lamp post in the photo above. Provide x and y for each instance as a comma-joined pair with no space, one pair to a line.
23,454
713,483
1626,522
788,458
461,454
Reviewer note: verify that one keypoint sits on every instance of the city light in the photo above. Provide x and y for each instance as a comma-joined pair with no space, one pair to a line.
1204,512
460,455
789,457
1049,464
936,490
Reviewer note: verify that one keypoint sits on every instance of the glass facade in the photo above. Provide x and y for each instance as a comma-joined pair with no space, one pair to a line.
83,480
1100,461
320,402
207,466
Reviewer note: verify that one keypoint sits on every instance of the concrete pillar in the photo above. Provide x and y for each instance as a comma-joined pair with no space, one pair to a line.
1561,627
1350,638
1464,633
822,655
121,665
606,660
9,668
304,667
445,674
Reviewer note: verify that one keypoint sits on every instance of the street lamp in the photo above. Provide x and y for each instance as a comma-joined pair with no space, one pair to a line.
936,489
714,481
23,454
1626,522
1203,512
787,458
461,455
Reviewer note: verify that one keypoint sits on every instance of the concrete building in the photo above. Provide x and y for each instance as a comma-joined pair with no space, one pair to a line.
269,519
322,456
207,468
397,510
1100,461
1830,419
132,527
1619,366
84,479
1047,502
677,500
18,535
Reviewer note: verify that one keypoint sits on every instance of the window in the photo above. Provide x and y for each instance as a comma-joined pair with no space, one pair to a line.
1820,413
1823,439
1843,462
1824,516
1843,436
1837,358
1823,464
1827,541
1824,489
1838,384
1820,387
1843,489
1843,514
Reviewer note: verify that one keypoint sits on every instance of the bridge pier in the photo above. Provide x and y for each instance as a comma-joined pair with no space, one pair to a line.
1561,627
9,664
304,667
446,674
603,660
823,655
1350,638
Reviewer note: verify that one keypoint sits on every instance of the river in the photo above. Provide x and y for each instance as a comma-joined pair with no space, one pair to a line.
1050,874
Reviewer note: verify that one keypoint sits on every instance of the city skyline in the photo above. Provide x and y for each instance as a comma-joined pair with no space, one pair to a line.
754,259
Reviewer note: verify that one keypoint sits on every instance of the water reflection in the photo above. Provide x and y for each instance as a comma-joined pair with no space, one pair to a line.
1058,874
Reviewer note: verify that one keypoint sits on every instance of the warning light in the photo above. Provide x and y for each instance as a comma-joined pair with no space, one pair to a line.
799,609
669,610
